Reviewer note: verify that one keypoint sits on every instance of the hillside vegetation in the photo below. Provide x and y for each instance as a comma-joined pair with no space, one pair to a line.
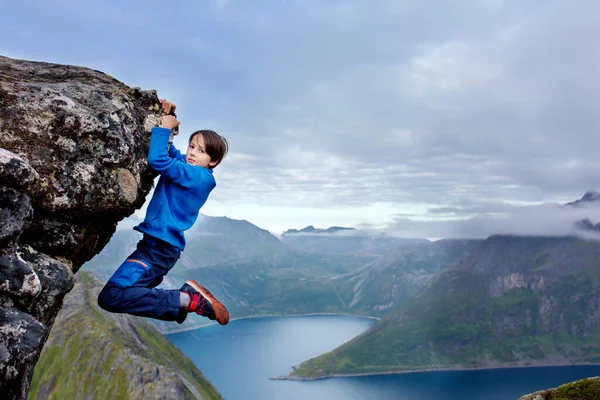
512,301
91,354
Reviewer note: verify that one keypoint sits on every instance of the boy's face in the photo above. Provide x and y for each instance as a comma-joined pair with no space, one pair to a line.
196,153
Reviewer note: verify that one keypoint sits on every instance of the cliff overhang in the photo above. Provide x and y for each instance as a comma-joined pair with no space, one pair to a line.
73,145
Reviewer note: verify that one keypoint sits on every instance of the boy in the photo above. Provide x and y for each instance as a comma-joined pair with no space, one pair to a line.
183,187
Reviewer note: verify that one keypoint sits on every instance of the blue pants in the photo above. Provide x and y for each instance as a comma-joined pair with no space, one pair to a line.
132,288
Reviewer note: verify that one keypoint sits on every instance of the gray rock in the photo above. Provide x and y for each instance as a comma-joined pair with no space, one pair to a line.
73,146
17,278
86,135
14,171
21,340
56,281
15,214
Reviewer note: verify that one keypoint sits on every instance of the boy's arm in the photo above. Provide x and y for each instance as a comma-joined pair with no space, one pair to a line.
175,153
177,170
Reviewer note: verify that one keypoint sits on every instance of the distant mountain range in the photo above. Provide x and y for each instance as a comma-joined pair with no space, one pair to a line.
257,273
501,301
504,300
312,230
342,241
590,197
510,301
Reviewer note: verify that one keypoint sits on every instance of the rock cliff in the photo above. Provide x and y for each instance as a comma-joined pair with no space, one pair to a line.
73,145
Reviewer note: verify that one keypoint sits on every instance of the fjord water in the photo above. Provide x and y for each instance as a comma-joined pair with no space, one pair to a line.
240,358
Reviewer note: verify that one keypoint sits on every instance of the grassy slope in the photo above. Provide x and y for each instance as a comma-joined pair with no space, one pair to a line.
89,355
584,389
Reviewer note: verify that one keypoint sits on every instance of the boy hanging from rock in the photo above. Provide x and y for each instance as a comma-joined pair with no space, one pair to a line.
185,182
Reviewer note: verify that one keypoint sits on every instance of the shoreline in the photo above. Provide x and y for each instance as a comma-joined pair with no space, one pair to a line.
416,371
269,316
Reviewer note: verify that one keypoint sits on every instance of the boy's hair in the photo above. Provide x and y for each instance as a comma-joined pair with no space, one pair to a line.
216,145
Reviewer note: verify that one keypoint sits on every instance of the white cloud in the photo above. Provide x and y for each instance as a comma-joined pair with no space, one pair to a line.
278,219
447,67
480,220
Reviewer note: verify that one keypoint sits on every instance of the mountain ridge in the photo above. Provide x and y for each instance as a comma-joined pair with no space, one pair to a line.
312,230
270,276
590,196
518,283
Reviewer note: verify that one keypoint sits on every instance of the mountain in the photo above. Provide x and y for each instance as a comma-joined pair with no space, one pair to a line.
219,240
93,354
255,273
211,241
590,197
586,225
583,389
311,229
511,301
400,274
342,241
250,269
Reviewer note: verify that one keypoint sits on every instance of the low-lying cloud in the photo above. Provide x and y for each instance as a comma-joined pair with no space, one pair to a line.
486,220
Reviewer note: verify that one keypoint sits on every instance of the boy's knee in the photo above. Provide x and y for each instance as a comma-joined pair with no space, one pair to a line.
107,298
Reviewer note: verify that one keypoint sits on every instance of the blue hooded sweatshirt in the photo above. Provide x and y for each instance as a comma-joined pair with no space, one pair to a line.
181,191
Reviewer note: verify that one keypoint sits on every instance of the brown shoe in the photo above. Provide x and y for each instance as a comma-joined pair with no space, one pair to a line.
202,302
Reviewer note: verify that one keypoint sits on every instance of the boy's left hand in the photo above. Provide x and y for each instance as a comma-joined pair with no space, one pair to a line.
168,121
167,106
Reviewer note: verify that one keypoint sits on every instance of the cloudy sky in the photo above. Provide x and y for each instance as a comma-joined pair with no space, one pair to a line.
424,118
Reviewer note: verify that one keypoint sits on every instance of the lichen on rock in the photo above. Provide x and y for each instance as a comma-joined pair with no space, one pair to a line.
73,145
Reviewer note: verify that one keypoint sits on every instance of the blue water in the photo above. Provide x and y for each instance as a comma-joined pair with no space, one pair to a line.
239,359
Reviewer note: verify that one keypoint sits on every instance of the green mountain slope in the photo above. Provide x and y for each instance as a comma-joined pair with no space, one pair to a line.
305,283
219,242
398,275
213,240
255,273
291,286
91,354
250,269
512,301
583,389
221,239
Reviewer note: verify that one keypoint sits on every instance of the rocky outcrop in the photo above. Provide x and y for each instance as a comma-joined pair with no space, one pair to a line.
584,389
73,145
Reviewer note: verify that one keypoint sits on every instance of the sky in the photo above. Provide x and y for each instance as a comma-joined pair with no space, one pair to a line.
418,118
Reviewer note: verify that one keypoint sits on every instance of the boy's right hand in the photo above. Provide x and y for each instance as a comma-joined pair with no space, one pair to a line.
169,122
